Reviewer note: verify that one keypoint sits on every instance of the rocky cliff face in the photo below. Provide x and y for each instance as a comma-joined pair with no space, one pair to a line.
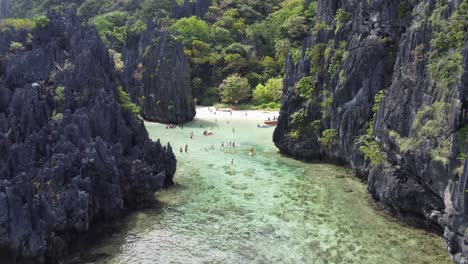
157,74
190,8
5,7
71,152
381,86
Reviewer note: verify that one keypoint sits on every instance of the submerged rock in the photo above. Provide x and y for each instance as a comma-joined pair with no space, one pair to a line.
72,155
411,144
157,75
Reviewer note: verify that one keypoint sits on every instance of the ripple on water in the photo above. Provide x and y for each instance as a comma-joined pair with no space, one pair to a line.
261,209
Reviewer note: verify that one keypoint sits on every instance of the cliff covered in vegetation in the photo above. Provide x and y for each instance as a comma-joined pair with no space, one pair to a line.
381,86
73,151
157,74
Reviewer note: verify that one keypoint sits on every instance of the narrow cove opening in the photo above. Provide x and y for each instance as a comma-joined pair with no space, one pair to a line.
230,207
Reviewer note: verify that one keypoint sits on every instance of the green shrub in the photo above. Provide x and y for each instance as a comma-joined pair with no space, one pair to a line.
56,116
299,118
191,28
339,55
342,16
445,71
16,46
306,88
126,102
16,24
329,138
372,152
270,92
118,63
368,146
445,64
59,98
234,89
41,21
326,103
315,55
462,134
403,9
442,152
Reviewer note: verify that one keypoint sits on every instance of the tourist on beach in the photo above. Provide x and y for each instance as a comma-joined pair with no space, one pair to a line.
232,161
222,144
181,150
191,135
233,130
233,144
186,148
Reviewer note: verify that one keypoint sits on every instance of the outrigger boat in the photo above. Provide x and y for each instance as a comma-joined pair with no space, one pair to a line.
271,122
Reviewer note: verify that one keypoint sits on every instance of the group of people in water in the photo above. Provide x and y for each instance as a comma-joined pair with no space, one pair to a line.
232,144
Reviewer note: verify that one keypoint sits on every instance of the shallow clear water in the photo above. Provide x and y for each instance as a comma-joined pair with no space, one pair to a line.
262,209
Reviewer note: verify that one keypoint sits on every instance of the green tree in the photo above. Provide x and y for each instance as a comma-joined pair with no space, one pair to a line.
191,29
234,89
270,92
295,27
282,48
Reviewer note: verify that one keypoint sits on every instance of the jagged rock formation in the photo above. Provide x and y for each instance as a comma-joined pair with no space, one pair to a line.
5,7
157,74
71,153
410,144
190,8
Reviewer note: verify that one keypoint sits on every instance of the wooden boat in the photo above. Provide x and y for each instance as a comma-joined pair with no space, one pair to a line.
271,122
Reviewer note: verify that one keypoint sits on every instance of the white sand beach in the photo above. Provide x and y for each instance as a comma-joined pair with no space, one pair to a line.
204,112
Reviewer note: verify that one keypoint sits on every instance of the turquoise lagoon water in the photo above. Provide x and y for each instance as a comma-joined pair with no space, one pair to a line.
228,207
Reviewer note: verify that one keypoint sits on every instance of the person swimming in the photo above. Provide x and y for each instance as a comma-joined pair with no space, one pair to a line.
251,152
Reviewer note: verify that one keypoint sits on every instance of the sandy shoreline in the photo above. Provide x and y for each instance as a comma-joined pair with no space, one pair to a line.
203,112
